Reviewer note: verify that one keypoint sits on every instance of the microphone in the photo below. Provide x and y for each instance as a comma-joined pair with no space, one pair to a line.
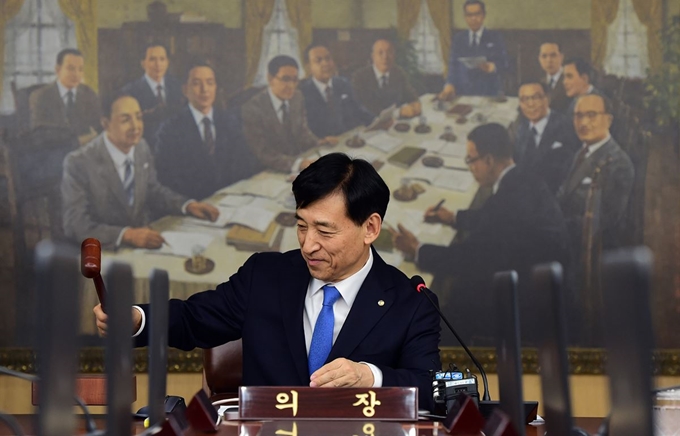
91,265
419,284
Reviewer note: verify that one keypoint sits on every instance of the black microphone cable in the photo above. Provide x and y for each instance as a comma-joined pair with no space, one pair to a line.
419,284
90,425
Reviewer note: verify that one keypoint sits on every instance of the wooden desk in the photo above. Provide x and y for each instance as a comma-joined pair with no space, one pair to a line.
235,428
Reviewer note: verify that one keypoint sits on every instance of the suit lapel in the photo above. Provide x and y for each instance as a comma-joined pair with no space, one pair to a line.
586,168
58,102
366,310
292,309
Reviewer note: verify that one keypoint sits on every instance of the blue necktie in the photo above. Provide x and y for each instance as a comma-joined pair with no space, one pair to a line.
322,338
129,182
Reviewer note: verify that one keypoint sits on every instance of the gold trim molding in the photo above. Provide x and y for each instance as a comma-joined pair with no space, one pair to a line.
582,361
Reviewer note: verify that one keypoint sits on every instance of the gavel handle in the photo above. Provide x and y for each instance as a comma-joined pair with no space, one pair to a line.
101,289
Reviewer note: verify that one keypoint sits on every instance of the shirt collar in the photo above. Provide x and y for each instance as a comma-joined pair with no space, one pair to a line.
378,74
322,86
118,156
593,148
590,89
63,90
153,84
500,177
555,77
540,125
276,102
479,34
198,115
349,287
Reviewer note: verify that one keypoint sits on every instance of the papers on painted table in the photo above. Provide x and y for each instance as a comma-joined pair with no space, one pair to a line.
183,244
248,211
384,142
453,180
445,148
472,61
269,187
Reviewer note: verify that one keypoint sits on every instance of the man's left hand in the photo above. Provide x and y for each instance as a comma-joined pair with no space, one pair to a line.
488,67
405,242
203,211
342,373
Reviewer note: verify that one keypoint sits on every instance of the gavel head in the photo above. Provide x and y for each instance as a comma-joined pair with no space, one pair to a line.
91,258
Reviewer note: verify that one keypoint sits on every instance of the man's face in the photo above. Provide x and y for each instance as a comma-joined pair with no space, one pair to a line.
284,84
333,246
125,127
383,55
574,83
321,64
480,166
155,63
533,102
474,17
550,58
70,72
590,120
201,88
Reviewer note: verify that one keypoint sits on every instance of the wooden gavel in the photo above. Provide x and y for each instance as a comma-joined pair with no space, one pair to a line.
91,265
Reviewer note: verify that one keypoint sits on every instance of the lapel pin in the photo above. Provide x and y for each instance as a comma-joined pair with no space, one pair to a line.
381,303
146,165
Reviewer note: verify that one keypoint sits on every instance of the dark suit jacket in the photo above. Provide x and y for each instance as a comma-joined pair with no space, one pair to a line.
369,93
552,158
263,303
48,109
154,115
347,113
519,226
474,81
183,162
94,201
615,176
275,146
558,95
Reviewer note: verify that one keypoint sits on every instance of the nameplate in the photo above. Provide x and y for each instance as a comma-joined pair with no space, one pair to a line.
333,428
305,403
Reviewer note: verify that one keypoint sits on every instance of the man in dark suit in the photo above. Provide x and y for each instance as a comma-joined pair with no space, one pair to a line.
383,84
601,168
109,189
329,99
545,141
331,314
485,78
159,95
551,57
578,81
519,226
67,102
274,120
201,149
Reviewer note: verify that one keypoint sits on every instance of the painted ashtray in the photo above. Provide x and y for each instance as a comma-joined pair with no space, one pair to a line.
402,127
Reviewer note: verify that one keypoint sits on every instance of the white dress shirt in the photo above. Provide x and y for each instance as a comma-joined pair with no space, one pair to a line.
322,87
593,148
348,289
479,34
154,86
64,90
540,128
555,78
379,75
199,116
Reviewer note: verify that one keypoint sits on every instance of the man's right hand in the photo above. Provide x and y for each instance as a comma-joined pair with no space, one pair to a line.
447,93
142,237
441,215
102,319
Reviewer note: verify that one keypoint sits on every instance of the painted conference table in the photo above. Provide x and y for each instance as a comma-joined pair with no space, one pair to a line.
258,200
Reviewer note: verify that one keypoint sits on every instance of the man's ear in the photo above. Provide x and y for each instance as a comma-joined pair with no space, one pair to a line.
105,122
372,227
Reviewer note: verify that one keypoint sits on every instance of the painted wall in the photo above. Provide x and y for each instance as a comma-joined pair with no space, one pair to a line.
370,14
113,13
504,14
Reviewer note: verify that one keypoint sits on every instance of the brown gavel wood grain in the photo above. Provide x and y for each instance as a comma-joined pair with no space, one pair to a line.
91,265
